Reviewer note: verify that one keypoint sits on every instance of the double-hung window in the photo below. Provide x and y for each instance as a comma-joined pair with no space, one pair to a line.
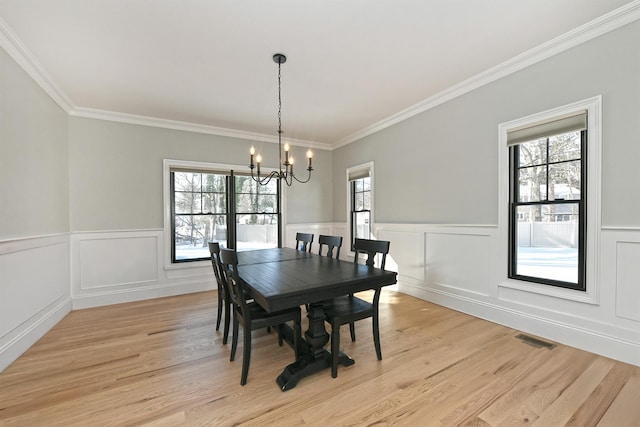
547,201
223,206
360,202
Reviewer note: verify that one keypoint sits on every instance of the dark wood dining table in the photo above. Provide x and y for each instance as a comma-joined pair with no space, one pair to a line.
283,278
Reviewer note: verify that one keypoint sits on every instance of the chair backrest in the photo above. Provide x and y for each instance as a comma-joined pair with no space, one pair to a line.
304,241
235,291
331,242
372,248
214,250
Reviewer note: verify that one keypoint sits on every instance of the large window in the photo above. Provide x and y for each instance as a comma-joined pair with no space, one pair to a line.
220,206
547,226
360,202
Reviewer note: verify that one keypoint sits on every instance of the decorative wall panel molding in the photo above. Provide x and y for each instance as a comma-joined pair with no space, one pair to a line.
34,291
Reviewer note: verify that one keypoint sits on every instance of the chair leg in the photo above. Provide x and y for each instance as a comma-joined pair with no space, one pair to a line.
335,349
376,335
219,311
246,355
352,330
280,331
227,318
234,340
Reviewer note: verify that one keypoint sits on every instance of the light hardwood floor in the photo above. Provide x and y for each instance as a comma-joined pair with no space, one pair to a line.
161,363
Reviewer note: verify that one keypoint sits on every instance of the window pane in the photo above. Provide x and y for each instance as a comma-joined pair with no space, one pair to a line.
533,153
366,200
547,242
362,225
193,232
533,184
366,184
564,179
214,183
187,181
268,203
255,231
565,147
214,203
359,202
187,203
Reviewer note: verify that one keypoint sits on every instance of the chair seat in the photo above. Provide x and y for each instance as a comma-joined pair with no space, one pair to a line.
347,309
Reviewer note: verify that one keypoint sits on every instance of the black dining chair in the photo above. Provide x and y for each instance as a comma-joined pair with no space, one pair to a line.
251,314
332,243
349,308
304,241
224,303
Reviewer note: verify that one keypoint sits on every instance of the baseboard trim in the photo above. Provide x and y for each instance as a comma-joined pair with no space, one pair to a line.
120,296
584,339
32,331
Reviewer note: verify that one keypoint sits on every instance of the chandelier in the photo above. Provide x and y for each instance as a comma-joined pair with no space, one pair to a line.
285,174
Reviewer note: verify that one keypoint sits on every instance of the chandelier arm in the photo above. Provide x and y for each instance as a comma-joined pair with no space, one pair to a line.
303,181
266,179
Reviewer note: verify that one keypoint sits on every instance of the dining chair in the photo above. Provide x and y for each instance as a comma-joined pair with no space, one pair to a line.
349,308
332,243
224,303
251,314
304,241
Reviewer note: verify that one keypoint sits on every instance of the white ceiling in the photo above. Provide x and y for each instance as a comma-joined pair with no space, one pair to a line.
352,64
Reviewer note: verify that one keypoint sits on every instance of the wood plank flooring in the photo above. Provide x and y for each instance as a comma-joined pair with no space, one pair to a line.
161,363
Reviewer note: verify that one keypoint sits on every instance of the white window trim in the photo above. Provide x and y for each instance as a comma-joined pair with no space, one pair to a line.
594,222
363,166
167,164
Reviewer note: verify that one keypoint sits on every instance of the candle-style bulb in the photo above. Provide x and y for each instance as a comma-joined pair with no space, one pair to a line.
252,151
258,159
286,147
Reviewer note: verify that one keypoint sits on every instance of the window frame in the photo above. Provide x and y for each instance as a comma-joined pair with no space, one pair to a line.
514,204
591,292
204,167
172,172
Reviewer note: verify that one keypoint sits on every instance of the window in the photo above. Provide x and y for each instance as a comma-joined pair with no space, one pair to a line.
257,216
218,205
547,205
360,202
555,202
199,211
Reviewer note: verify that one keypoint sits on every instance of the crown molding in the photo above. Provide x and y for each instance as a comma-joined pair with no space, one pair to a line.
604,24
599,26
23,57
113,116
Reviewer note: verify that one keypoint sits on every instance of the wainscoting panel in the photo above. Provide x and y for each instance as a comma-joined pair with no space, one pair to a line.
406,252
458,262
113,267
34,291
122,261
628,280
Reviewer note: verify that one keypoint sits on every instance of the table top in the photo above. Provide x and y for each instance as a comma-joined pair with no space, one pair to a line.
283,277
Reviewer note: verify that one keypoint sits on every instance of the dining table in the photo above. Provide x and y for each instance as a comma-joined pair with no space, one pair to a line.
281,278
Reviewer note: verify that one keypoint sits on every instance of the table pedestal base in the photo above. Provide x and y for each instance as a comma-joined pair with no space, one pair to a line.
314,357
308,364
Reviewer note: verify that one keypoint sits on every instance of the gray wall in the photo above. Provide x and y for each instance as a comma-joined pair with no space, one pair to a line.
115,172
441,165
34,196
